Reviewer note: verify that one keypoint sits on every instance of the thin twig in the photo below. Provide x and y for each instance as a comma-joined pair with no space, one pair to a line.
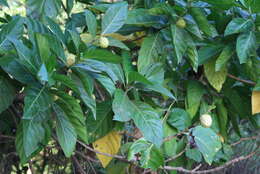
7,136
122,158
86,157
241,158
174,136
197,167
244,139
176,156
80,169
241,80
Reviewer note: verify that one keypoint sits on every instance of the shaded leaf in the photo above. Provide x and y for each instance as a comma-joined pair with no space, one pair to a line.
179,119
7,93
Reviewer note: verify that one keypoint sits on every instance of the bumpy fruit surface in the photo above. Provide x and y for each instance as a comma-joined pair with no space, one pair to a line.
86,37
103,42
70,59
206,120
181,23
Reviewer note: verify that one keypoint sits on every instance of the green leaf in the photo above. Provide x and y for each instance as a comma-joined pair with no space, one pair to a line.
216,79
74,113
151,157
135,76
222,4
195,92
179,119
103,123
102,55
21,143
65,80
207,142
36,103
19,72
193,57
179,42
141,17
107,83
114,18
69,5
159,88
222,117
203,22
169,147
238,25
148,53
246,46
84,93
121,107
36,110
66,133
91,22
208,51
116,43
144,116
43,74
7,93
223,58
3,2
194,154
37,8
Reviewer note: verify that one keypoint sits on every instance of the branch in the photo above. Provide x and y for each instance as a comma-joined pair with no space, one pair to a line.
174,136
244,139
241,158
81,170
176,156
241,80
7,136
122,158
86,157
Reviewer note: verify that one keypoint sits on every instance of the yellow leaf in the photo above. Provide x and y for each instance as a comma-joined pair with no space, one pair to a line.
216,79
255,102
108,144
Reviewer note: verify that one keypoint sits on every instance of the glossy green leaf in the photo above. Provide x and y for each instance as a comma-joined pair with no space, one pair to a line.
151,157
148,53
102,55
179,119
223,58
222,117
202,22
103,123
144,116
195,92
91,22
7,93
179,42
245,46
74,113
194,154
36,103
215,78
135,76
207,142
116,43
114,18
238,25
66,133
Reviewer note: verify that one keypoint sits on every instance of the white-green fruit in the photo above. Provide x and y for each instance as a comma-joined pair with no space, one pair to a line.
206,120
103,42
70,59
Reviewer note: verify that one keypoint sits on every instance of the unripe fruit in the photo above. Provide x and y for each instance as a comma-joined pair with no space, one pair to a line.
70,59
86,37
55,97
103,42
134,63
221,138
181,23
206,120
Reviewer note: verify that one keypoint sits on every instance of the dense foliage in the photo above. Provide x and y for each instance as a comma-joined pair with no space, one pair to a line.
137,86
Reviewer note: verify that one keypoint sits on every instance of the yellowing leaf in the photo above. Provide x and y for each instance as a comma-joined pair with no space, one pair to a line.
216,79
108,144
255,102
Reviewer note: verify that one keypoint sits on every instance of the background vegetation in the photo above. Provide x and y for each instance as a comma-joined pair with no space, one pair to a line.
138,86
